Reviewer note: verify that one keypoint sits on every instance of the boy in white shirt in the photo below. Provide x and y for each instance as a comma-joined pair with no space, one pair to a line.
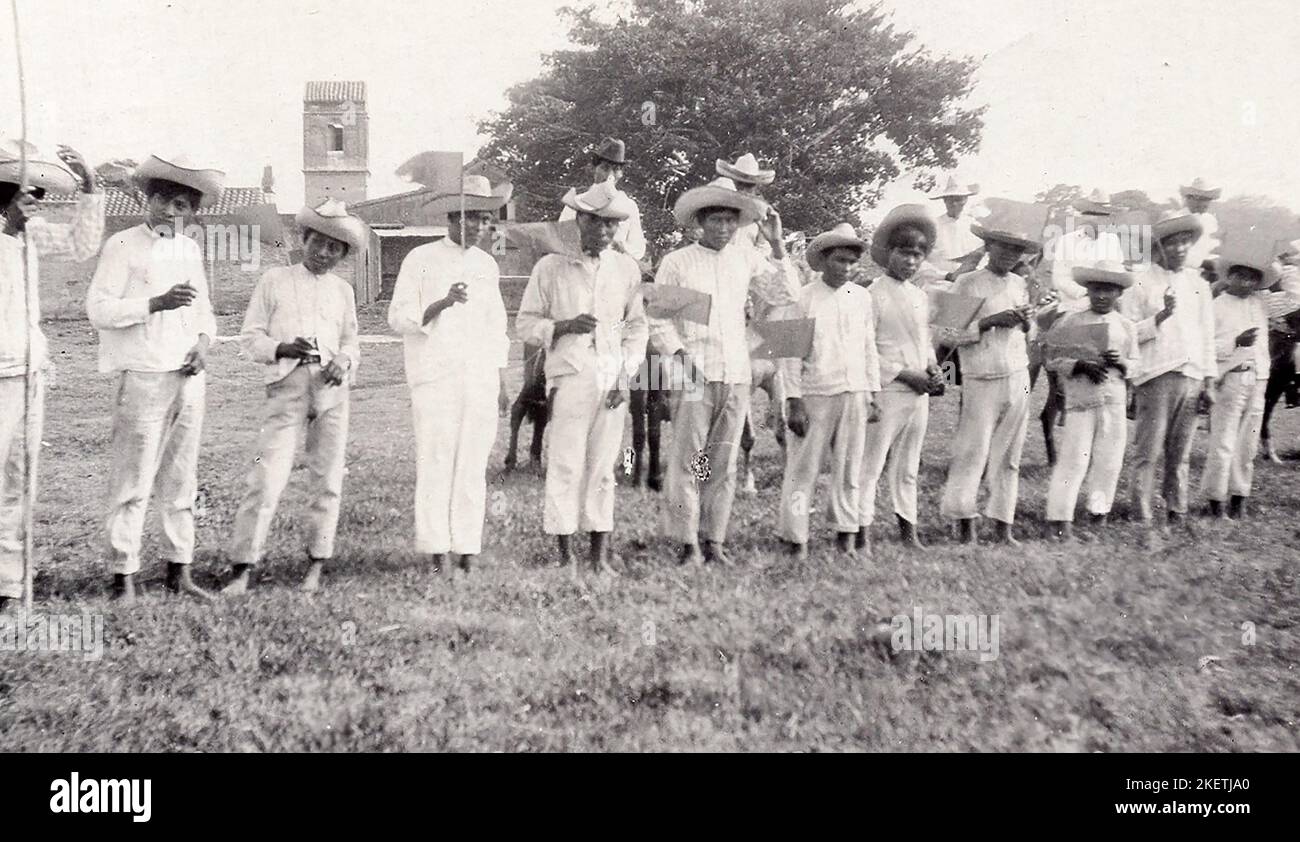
1096,396
1242,356
301,325
829,392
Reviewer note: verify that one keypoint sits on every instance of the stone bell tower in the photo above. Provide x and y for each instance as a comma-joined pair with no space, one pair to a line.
335,142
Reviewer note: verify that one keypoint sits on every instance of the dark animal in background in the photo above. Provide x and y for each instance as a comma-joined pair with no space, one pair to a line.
1283,380
649,407
532,404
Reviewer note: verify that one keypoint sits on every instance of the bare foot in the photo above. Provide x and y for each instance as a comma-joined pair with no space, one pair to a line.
311,582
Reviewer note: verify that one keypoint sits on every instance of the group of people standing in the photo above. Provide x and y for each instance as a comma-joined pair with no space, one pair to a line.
859,392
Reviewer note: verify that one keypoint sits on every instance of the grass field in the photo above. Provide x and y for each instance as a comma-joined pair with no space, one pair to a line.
1102,647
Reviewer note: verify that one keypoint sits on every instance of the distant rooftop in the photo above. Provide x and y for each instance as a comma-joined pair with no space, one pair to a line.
118,202
335,92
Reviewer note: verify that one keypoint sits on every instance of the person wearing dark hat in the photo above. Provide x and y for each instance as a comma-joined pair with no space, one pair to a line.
1243,360
829,392
447,307
301,325
586,311
26,238
909,371
708,415
1096,397
1174,313
955,248
149,301
607,162
995,374
1197,198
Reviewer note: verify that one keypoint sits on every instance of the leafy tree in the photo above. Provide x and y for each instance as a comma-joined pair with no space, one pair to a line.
833,97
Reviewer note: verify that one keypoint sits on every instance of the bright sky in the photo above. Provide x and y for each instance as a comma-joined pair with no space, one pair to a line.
1107,93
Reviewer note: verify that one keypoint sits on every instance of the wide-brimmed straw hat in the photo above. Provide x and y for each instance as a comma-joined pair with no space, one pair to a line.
1104,272
332,219
178,170
480,195
952,190
721,192
1172,222
1254,252
841,236
1017,223
1199,189
745,169
918,215
603,200
1096,203
43,173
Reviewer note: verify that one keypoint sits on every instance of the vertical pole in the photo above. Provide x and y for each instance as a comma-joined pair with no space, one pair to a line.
31,428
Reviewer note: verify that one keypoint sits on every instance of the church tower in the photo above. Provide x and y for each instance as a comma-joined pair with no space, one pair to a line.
335,142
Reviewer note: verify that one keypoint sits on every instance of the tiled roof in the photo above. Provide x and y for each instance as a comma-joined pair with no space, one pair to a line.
335,92
119,202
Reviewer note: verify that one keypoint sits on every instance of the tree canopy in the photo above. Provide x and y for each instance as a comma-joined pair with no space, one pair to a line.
834,98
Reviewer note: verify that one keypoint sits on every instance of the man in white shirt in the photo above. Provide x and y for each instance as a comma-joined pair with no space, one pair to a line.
1085,242
608,160
586,311
829,392
25,237
995,375
447,306
956,249
1197,197
1173,311
748,179
708,415
301,325
1242,356
149,301
909,371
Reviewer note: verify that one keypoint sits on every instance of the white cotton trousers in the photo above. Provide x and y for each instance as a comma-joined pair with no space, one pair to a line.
1091,457
12,486
894,440
1235,422
990,436
840,423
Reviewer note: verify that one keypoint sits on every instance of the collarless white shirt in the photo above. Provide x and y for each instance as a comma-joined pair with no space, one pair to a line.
843,356
289,302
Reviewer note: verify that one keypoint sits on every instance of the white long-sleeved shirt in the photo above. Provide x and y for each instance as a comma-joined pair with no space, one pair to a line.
1079,249
76,241
607,287
998,351
953,240
135,266
471,335
1207,244
1232,315
290,302
843,356
1082,393
628,234
1184,342
721,348
902,313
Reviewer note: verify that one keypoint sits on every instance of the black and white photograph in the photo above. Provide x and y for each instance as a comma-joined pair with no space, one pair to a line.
650,376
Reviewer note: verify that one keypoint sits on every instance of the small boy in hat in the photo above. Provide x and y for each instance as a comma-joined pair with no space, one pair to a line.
1242,356
708,416
447,307
829,392
1096,397
608,160
995,374
301,325
149,301
909,372
25,237
586,311
1174,314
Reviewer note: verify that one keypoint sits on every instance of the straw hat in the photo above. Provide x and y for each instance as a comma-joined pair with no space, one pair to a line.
604,200
42,173
1258,253
1097,203
721,192
480,195
1172,222
953,189
841,236
1104,272
745,169
1199,189
178,170
332,219
1018,223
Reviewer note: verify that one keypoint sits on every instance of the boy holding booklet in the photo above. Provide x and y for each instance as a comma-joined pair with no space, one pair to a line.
1093,353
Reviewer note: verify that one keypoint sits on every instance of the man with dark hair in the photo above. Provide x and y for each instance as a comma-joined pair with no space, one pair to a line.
24,238
149,301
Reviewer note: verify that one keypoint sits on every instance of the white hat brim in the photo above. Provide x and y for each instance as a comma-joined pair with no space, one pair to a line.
760,177
207,182
348,229
696,199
